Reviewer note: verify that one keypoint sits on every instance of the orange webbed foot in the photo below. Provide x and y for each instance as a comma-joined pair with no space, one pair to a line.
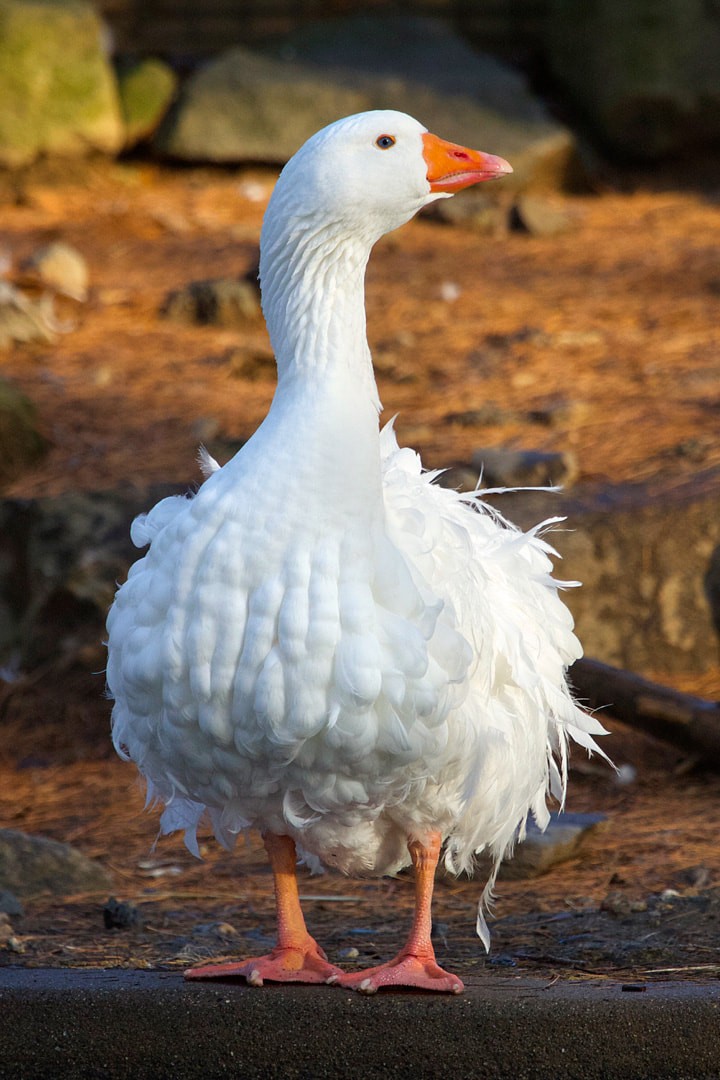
302,964
405,971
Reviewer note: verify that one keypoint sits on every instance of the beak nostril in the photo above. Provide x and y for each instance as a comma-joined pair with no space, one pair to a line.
461,154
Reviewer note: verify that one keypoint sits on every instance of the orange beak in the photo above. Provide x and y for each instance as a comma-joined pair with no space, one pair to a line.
451,168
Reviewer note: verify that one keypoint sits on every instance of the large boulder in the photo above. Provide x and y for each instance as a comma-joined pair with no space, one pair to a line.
644,554
645,73
247,107
57,89
252,106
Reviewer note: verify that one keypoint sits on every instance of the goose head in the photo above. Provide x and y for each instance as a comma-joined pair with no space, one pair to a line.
370,173
349,184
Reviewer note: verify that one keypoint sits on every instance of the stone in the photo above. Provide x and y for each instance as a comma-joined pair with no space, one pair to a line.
9,904
147,88
120,915
459,478
500,467
31,865
477,210
616,903
535,215
23,319
645,74
22,444
60,558
642,552
224,302
57,89
252,106
561,841
243,106
60,267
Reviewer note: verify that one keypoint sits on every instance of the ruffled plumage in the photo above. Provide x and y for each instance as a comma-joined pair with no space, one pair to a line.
324,643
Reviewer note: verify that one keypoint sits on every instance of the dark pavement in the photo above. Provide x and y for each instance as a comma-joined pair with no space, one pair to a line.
56,1024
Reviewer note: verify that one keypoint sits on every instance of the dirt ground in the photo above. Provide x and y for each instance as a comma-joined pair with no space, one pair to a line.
603,340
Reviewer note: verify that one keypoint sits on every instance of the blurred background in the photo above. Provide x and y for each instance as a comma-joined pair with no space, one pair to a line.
560,327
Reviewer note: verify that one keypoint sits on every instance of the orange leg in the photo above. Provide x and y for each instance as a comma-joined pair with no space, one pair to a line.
415,964
297,957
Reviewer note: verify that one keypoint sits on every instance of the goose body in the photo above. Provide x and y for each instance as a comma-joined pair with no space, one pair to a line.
322,643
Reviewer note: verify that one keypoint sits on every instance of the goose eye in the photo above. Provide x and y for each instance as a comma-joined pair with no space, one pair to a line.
384,142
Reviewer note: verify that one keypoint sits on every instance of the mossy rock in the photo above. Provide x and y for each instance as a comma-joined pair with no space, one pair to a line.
57,90
21,443
147,88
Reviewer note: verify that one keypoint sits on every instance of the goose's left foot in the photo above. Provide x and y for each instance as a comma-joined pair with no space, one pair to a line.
415,965
419,972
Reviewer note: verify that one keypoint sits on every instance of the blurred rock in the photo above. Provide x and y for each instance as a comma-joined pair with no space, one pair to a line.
475,210
59,561
23,319
60,267
540,851
537,216
562,840
693,877
224,302
243,106
8,940
147,88
616,903
524,468
57,89
483,212
120,915
9,904
642,552
645,73
459,478
252,106
33,864
22,444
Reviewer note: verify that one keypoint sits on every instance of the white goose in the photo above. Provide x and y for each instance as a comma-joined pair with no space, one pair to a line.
322,644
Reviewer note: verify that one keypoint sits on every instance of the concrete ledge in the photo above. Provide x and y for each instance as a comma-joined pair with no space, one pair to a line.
57,1024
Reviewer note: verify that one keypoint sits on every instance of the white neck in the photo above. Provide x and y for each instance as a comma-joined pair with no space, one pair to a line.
313,293
324,413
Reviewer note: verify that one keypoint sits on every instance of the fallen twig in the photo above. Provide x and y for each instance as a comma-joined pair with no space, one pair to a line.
687,721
